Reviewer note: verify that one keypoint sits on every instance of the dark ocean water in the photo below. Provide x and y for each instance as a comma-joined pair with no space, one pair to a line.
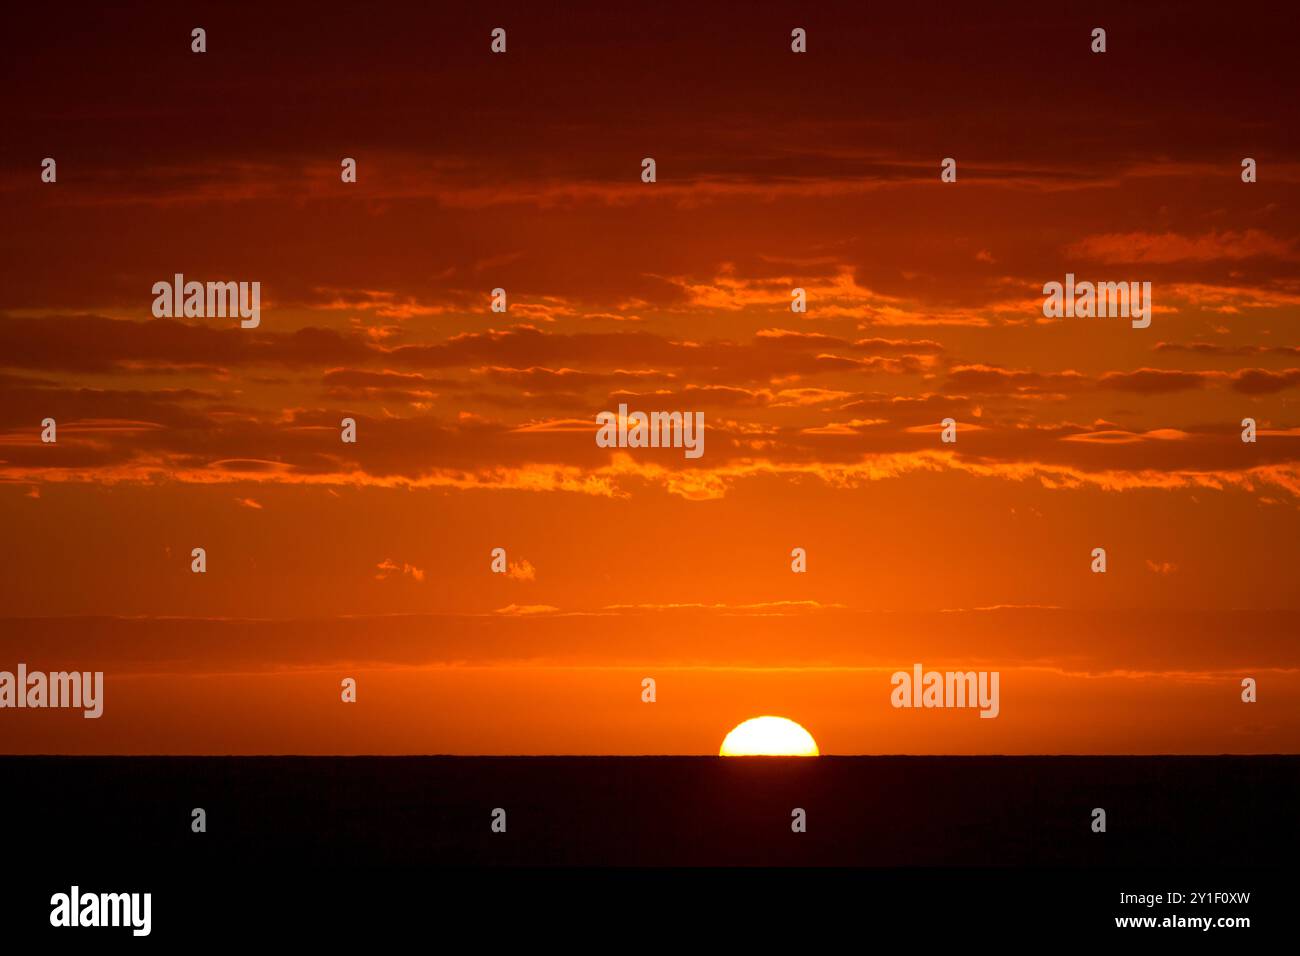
656,811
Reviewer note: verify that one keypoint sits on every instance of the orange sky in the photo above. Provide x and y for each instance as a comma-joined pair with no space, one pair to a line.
476,430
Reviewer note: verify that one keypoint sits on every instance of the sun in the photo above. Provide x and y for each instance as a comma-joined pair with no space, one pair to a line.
768,737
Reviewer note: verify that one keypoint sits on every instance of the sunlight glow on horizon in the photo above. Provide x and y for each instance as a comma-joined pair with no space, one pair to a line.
768,737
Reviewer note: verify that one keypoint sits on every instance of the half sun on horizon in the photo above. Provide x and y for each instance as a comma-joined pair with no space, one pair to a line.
768,737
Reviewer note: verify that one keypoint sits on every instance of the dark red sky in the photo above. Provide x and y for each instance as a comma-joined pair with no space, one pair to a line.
775,170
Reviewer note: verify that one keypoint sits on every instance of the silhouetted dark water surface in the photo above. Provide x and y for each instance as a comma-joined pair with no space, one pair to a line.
673,811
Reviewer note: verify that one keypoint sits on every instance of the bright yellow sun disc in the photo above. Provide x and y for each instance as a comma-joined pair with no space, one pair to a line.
768,737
